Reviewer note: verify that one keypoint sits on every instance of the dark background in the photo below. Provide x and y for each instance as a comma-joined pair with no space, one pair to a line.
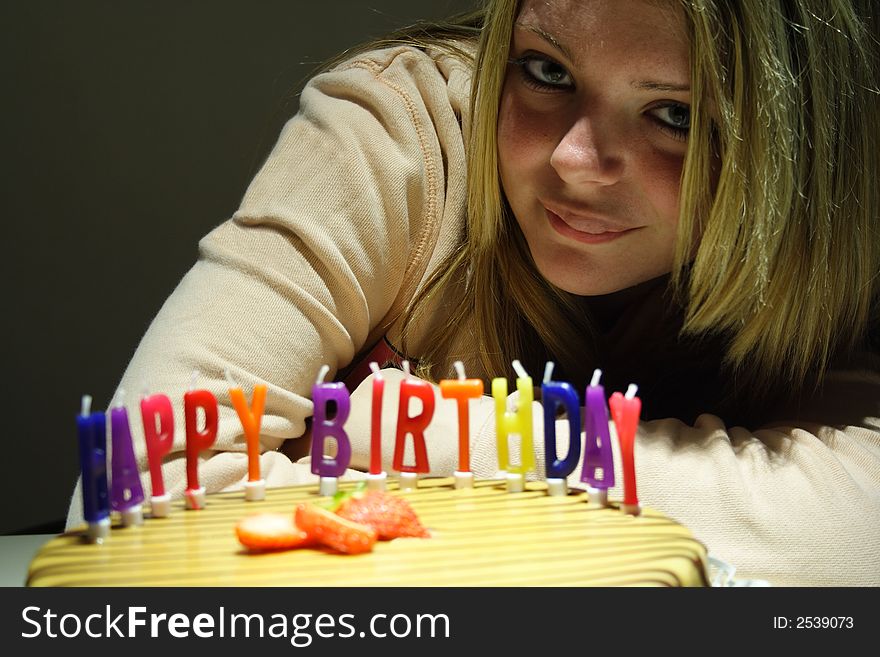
129,129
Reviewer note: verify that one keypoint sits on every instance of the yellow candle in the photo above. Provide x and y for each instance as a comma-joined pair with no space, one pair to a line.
518,422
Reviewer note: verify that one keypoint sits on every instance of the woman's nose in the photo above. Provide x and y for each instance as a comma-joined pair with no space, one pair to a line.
587,154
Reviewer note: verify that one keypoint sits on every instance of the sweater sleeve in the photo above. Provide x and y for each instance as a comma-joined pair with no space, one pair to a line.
329,242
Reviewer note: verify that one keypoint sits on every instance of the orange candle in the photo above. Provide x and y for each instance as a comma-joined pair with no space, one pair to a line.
251,417
462,391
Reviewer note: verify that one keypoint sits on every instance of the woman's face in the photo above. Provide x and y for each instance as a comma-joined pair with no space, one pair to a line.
592,135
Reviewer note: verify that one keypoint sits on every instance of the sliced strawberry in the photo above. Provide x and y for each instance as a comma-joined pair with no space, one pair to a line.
389,515
271,531
335,532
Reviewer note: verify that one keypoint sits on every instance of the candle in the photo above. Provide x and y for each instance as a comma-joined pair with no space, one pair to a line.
555,395
462,391
197,440
126,492
251,417
413,426
518,422
597,448
376,477
330,468
625,412
93,465
158,419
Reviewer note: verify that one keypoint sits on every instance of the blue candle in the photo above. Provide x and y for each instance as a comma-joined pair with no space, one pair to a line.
126,492
554,395
597,446
93,465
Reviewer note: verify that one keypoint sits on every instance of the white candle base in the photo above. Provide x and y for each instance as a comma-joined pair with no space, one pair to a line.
195,498
377,481
160,506
409,480
254,491
515,482
631,509
328,486
598,496
98,531
464,479
132,516
557,487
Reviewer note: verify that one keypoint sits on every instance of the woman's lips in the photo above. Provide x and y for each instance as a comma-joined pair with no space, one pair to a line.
598,232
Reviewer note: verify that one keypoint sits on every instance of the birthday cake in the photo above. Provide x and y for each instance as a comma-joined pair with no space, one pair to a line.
480,536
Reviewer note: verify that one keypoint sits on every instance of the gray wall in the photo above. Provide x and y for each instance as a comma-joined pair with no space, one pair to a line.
129,129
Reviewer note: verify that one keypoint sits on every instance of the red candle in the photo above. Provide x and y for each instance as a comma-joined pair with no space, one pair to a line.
625,413
376,422
462,391
415,425
198,440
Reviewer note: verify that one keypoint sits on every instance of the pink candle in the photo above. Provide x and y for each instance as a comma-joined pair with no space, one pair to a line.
158,419
625,412
376,421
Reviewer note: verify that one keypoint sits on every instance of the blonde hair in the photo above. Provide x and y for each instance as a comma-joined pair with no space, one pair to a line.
780,259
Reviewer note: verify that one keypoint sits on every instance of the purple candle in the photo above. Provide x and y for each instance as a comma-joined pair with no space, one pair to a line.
323,426
92,429
126,492
554,395
597,447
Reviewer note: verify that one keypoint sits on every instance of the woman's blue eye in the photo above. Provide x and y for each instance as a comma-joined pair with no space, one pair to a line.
674,119
543,73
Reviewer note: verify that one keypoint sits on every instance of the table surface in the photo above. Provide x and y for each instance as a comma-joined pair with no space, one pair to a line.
17,552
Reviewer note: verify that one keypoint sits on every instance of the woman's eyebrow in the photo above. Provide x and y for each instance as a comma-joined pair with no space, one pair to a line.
651,85
549,38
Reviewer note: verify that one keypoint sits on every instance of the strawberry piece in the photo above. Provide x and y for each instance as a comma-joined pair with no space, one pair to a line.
338,533
390,516
271,531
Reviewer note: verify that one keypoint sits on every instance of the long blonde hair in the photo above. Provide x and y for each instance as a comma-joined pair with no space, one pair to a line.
781,260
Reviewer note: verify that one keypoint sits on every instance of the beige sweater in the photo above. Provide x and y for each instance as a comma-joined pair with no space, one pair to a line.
362,196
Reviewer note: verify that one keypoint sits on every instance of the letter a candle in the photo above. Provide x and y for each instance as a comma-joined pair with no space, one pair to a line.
517,422
625,412
412,426
251,417
597,448
92,429
329,469
126,492
555,395
158,419
462,391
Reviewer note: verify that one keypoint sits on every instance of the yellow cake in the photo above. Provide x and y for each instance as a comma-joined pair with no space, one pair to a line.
483,536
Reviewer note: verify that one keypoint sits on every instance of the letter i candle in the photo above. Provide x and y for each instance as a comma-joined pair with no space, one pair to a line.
462,391
377,477
158,419
625,411
92,429
412,426
553,396
597,448
518,422
328,468
251,418
126,492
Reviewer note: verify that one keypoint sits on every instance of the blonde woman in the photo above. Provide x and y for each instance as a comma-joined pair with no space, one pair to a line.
681,192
